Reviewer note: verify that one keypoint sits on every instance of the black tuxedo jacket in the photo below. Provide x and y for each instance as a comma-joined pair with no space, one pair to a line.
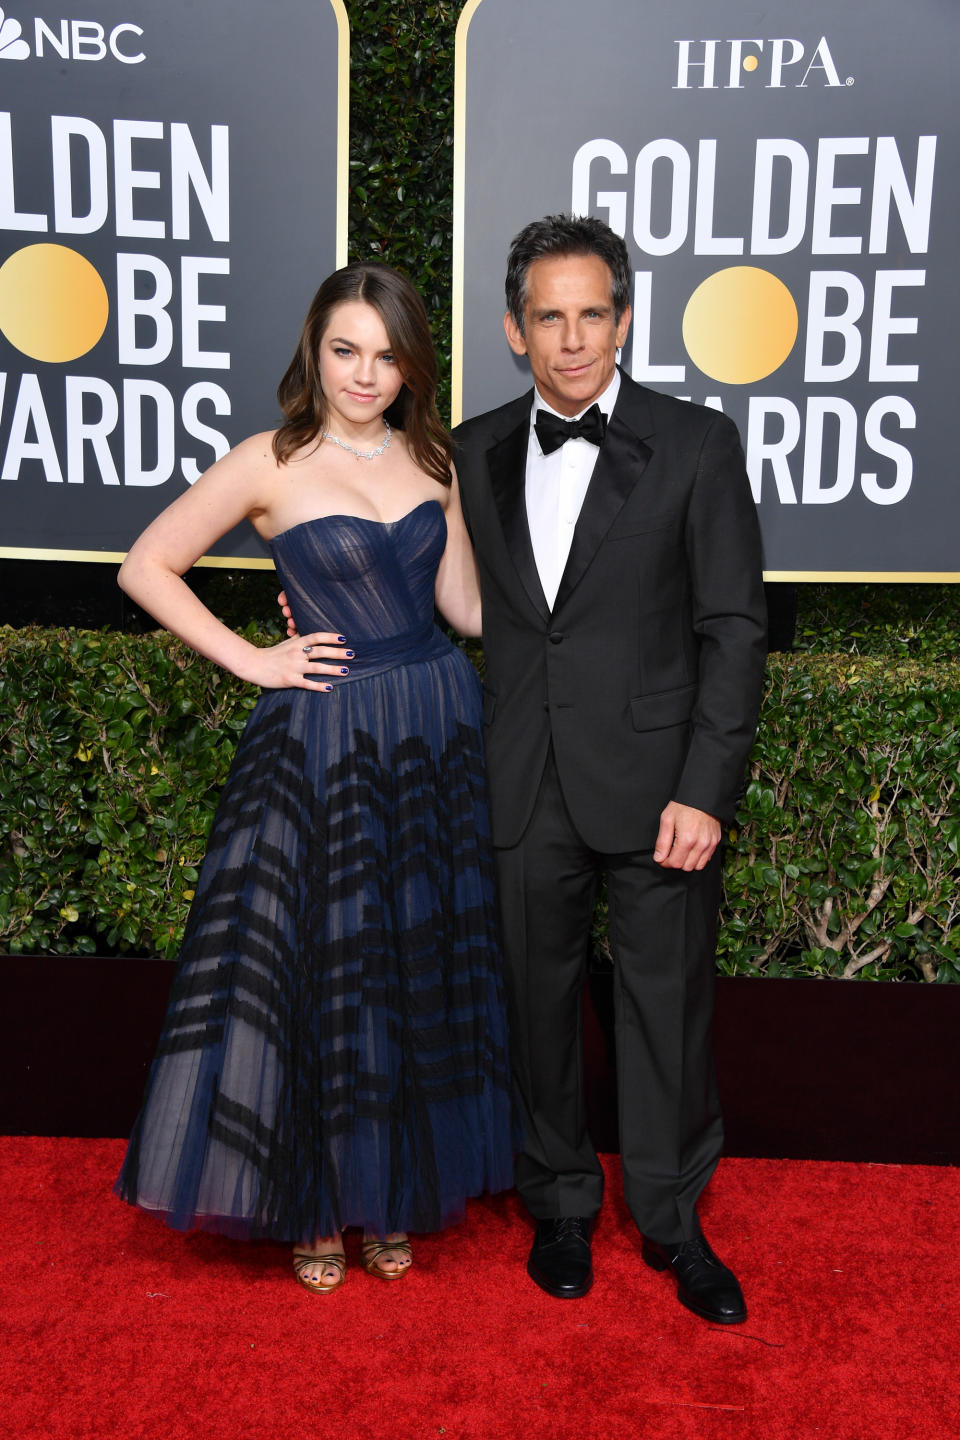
647,673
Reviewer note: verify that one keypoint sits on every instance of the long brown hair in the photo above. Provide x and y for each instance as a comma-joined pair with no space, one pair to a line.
405,318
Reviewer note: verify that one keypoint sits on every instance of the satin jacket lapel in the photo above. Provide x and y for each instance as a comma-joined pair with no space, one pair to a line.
620,464
507,463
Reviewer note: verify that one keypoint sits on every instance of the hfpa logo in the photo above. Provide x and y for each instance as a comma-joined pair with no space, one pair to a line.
782,63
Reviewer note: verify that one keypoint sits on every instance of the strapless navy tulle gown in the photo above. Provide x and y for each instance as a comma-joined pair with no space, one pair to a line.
335,1049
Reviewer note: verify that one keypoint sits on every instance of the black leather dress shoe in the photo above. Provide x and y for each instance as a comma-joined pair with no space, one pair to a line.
560,1257
704,1284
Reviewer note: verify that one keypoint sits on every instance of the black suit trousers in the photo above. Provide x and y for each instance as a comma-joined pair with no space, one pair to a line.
662,934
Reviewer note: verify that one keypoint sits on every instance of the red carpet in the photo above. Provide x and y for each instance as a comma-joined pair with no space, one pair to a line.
118,1327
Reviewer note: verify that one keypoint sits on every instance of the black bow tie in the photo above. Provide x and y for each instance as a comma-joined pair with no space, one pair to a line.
552,432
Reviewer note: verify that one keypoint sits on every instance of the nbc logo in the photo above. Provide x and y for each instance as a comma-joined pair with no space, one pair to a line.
12,44
70,40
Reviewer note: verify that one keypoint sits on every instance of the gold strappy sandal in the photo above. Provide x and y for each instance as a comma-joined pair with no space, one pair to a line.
303,1261
371,1250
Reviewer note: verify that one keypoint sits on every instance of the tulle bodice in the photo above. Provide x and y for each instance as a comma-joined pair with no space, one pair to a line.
369,580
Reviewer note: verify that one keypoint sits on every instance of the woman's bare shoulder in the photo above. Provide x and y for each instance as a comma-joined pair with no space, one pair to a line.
257,449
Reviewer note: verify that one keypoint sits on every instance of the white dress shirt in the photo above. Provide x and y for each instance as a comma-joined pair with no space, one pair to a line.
556,485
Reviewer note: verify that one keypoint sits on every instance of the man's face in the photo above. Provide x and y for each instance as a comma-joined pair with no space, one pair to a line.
570,336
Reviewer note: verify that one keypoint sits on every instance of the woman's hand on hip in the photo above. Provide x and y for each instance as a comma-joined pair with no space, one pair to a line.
302,663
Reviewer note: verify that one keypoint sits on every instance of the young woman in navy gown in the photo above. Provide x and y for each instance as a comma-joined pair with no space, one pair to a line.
334,1053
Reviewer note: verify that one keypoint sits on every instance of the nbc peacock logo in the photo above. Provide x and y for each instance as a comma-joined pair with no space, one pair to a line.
61,39
12,44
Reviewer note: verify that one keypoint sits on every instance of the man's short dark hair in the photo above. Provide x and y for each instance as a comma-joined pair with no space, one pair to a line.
556,235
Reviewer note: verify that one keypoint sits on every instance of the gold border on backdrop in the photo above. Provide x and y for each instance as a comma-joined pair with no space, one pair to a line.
459,158
858,577
226,562
251,562
888,577
343,126
114,557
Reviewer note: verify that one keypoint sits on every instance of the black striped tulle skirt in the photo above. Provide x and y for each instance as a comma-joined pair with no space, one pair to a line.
334,1052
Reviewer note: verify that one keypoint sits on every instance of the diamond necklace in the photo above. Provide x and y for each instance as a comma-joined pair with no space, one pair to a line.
360,454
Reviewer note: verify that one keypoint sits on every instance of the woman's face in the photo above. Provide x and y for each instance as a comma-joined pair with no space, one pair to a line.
358,373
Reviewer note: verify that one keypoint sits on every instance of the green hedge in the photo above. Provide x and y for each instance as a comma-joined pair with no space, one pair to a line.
844,862
116,747
921,622
401,149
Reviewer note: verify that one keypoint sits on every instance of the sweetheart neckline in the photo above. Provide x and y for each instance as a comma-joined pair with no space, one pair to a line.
316,519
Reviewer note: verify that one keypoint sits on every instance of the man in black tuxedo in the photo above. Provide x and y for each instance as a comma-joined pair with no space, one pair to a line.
624,643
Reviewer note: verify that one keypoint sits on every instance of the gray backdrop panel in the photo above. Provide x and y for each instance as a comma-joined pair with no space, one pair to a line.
542,80
270,77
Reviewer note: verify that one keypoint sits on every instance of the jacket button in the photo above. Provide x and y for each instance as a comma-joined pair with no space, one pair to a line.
546,704
555,638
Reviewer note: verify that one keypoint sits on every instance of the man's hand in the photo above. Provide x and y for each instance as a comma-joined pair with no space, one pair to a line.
332,647
287,614
687,838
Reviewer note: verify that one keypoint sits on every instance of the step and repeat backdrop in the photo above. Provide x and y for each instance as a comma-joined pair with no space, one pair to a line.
785,179
173,187
172,191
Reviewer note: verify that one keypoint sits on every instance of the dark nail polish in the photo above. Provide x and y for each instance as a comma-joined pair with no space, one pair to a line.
328,687
344,670
349,654
341,639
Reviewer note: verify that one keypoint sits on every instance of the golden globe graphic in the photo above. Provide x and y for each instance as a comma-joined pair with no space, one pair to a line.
740,324
784,196
53,303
